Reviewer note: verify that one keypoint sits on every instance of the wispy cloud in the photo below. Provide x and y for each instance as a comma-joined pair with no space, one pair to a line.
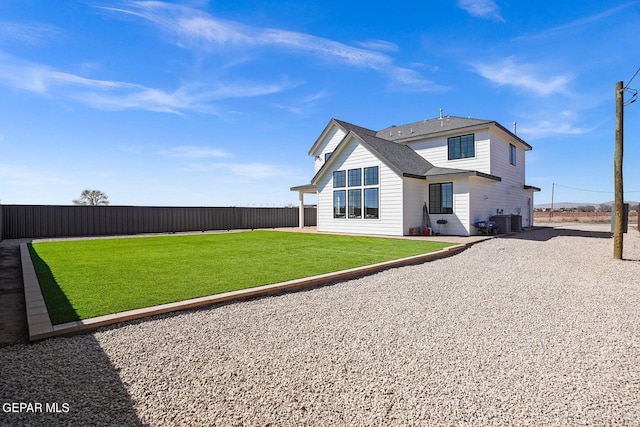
579,23
195,152
379,45
303,105
554,124
251,170
202,31
486,9
115,95
26,176
508,72
32,34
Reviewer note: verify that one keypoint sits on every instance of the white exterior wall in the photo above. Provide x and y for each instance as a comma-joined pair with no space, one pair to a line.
484,199
436,152
414,196
457,222
390,221
401,199
329,144
509,195
416,193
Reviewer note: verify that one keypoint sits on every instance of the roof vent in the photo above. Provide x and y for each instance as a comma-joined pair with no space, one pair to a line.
515,126
441,114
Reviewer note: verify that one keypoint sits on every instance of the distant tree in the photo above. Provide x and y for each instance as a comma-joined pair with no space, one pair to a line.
586,208
604,207
92,198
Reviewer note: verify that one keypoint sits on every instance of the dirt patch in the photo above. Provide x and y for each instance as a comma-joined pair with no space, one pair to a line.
13,322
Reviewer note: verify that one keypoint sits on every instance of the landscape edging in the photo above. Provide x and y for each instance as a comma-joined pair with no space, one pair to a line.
40,326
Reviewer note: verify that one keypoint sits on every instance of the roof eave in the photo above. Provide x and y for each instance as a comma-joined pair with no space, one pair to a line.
456,174
466,128
324,133
305,188
442,132
340,147
513,135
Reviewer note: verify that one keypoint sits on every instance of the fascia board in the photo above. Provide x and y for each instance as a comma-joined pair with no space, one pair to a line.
445,132
513,137
351,136
316,145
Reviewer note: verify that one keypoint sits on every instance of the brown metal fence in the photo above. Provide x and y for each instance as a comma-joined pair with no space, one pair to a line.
39,221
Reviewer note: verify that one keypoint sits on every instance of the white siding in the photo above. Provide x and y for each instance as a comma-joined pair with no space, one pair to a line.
414,196
489,196
482,201
458,222
402,199
509,195
436,152
390,222
330,142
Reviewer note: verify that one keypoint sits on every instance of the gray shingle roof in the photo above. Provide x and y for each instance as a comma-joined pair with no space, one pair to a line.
357,129
403,158
387,144
426,127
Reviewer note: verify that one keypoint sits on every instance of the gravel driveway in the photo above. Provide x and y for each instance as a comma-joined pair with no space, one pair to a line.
539,329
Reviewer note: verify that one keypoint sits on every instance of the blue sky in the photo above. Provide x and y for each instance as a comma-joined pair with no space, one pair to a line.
207,103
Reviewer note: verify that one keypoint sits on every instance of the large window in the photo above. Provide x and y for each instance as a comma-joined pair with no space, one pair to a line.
512,154
441,198
355,177
339,204
355,203
371,209
461,147
371,176
361,198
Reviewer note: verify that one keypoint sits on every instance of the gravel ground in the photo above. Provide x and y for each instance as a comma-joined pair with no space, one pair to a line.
539,329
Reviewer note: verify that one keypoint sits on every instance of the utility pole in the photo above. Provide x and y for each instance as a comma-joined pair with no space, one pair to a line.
617,171
553,189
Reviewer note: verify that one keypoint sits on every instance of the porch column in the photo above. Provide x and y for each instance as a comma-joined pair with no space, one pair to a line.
301,213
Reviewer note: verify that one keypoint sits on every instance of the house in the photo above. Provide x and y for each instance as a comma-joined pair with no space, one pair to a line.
378,182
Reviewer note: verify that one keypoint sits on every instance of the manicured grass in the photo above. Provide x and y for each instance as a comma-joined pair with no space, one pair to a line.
86,278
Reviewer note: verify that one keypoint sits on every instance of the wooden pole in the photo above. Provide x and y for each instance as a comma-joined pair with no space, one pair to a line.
553,189
617,170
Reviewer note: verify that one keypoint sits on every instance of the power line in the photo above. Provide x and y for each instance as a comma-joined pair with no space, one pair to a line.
591,191
631,79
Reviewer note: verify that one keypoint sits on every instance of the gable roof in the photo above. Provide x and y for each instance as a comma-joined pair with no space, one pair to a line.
399,157
440,125
350,126
429,126
345,126
402,159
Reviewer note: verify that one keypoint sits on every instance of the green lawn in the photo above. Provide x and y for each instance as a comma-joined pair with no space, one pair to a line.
86,278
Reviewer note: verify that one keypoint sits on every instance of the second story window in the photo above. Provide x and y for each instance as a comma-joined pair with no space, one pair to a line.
327,155
339,179
355,177
461,147
512,154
